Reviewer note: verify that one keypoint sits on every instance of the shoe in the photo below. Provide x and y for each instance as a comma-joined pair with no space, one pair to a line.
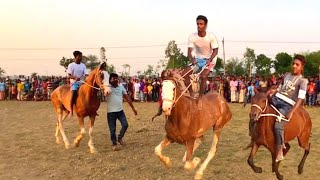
121,142
115,148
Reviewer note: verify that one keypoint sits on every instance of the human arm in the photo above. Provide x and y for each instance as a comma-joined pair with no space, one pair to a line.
190,48
299,102
126,97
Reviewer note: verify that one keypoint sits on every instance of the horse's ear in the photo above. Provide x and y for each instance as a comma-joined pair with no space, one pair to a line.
271,91
165,74
103,66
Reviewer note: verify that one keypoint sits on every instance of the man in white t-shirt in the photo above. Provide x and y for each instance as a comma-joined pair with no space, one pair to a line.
76,71
205,46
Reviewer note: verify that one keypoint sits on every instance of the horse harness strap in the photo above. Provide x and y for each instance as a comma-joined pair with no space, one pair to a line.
91,85
279,117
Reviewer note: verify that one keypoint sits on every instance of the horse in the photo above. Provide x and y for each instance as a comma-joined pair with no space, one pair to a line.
263,116
87,104
186,124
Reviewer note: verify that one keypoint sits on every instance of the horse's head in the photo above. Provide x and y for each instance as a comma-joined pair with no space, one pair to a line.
170,82
259,103
102,79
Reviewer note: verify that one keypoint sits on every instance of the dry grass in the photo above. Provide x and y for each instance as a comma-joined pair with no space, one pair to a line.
28,149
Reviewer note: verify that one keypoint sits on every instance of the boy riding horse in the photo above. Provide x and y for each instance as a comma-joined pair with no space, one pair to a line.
288,98
76,71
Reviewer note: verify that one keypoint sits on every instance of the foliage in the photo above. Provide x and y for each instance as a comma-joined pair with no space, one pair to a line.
263,64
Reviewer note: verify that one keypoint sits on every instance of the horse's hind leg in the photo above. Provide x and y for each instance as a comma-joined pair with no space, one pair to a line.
191,146
90,143
305,144
212,152
61,117
82,132
158,151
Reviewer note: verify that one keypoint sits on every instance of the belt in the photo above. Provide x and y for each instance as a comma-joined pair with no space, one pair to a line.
286,99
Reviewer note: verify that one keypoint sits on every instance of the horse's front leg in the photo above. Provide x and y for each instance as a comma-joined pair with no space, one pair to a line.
90,143
253,152
158,151
82,132
189,165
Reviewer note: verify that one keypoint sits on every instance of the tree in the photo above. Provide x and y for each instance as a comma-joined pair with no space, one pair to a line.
313,64
64,62
2,71
219,66
282,63
103,54
91,61
235,67
138,72
175,57
34,74
263,65
125,67
149,71
249,57
111,69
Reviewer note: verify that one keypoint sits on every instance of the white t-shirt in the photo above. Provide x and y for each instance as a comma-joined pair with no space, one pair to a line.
136,87
114,100
78,70
203,45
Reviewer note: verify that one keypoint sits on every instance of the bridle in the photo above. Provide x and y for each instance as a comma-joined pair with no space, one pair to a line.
92,86
279,117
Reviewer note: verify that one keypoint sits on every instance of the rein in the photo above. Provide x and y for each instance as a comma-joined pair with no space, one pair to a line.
279,117
175,100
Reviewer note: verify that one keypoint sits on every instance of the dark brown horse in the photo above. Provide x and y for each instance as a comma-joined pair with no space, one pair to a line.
263,131
87,104
186,123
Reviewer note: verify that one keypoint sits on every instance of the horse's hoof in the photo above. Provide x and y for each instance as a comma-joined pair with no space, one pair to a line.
76,143
196,161
93,151
188,166
280,177
300,170
167,162
58,141
257,170
68,146
198,176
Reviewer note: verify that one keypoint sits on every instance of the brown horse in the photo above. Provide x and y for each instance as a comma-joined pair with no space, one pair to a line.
186,124
87,104
263,131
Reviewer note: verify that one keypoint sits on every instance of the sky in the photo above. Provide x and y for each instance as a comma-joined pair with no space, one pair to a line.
36,34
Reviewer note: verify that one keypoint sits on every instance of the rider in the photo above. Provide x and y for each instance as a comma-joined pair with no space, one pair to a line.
76,71
288,99
206,47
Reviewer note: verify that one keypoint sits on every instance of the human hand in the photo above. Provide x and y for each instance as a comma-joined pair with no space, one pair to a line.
289,115
135,111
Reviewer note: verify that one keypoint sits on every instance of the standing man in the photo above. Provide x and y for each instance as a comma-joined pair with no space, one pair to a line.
76,71
115,110
205,45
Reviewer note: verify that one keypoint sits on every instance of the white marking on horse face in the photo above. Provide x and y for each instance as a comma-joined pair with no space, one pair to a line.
168,89
106,88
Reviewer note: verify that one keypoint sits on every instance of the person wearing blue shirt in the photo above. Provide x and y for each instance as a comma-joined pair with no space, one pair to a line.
115,110
2,89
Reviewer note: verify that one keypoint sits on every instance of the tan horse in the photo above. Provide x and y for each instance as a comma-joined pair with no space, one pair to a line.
262,133
87,104
186,124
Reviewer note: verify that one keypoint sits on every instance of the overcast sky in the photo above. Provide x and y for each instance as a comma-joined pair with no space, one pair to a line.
36,34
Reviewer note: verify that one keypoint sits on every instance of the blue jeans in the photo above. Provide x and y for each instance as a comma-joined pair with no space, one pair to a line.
112,122
284,108
75,86
312,99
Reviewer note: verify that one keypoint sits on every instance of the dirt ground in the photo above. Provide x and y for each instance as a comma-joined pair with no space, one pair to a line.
28,149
